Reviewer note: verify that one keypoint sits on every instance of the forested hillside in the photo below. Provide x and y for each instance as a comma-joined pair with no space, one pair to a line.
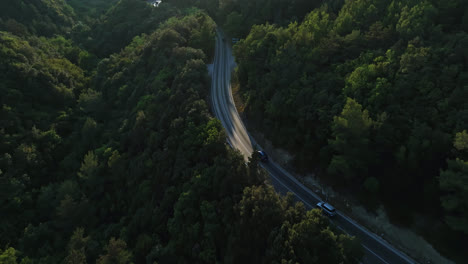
116,28
89,10
118,159
37,17
237,16
371,97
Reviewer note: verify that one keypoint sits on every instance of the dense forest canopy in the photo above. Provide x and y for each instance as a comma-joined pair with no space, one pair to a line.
237,16
372,98
37,17
116,28
109,153
89,10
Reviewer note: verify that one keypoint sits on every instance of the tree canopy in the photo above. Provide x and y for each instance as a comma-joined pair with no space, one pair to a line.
367,94
111,155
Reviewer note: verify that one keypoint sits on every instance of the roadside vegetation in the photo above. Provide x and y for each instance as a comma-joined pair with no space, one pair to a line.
109,154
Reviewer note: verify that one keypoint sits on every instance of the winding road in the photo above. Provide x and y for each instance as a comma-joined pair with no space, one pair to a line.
376,249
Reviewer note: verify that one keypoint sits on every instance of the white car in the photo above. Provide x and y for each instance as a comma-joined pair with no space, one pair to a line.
327,208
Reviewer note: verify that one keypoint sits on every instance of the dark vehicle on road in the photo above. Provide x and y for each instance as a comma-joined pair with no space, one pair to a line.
327,208
263,156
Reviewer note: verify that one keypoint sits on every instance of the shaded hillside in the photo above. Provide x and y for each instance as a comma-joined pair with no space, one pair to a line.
122,22
37,17
88,10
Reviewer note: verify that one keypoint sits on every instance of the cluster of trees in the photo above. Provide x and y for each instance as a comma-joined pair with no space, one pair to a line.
368,96
119,160
101,27
115,29
42,18
237,16
88,11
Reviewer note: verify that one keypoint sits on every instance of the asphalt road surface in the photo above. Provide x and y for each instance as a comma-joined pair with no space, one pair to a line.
376,249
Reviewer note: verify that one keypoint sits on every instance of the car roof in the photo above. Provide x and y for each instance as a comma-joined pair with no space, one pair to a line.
328,206
261,152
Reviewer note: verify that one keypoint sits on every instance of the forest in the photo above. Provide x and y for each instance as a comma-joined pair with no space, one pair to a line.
370,96
109,152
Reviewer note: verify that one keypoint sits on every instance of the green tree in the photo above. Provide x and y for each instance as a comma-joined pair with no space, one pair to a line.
89,166
90,101
351,143
77,248
8,256
116,253
417,20
454,183
258,213
461,141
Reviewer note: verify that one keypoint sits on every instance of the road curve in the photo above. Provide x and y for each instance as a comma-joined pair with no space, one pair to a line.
376,249
221,98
